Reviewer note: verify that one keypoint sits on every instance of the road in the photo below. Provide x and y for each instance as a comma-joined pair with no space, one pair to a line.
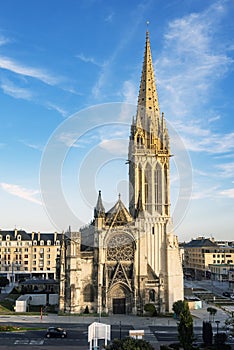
78,336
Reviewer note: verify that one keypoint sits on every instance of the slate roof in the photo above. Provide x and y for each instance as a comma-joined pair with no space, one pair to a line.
198,243
24,235
28,236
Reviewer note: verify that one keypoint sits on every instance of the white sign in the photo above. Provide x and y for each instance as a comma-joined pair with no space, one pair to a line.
137,334
98,331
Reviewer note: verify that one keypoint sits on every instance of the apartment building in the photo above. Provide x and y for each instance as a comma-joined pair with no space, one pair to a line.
222,272
201,253
28,255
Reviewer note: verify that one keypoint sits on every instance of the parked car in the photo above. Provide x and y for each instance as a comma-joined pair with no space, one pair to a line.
226,294
56,332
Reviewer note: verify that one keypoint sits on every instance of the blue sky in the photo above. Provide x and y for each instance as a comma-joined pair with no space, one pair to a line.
83,59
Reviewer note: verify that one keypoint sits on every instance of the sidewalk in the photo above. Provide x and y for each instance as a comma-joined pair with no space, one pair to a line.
199,316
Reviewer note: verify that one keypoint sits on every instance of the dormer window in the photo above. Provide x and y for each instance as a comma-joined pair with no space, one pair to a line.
57,242
41,242
19,237
34,242
48,242
8,237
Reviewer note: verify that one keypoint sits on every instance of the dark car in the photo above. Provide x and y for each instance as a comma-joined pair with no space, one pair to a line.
56,332
226,294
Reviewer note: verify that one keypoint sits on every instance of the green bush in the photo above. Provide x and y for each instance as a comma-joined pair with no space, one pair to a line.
129,344
150,309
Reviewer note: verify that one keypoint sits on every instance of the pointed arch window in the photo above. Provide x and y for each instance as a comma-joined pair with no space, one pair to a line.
88,293
148,181
139,179
152,295
166,189
139,140
158,188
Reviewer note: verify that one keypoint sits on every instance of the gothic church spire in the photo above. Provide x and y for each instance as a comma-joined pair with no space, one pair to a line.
99,211
148,96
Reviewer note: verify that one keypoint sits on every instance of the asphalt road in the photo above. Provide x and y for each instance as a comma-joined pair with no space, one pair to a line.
78,336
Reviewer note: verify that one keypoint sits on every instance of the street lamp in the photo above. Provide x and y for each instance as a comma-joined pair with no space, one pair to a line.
217,323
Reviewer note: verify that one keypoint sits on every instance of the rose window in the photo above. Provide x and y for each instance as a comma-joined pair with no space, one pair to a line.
120,247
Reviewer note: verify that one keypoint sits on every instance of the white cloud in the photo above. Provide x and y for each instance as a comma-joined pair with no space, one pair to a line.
3,40
101,81
15,67
226,170
32,145
109,17
21,192
12,90
213,119
229,193
198,139
88,59
204,193
57,108
192,61
130,92
116,147
68,138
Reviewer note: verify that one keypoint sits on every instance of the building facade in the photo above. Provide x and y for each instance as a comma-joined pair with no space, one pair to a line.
28,255
202,253
127,258
221,272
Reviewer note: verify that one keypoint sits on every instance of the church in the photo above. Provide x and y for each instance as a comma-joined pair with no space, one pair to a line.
127,258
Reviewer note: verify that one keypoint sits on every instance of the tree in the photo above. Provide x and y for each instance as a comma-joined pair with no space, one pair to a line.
212,312
129,344
230,325
185,327
177,307
207,333
3,282
220,339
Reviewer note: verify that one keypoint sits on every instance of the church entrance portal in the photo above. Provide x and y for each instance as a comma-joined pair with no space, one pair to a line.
119,306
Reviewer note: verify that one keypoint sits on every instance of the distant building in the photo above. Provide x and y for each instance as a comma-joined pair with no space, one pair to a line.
201,253
231,279
221,272
126,259
28,255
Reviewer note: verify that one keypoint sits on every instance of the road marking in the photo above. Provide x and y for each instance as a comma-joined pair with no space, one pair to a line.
29,342
20,341
37,342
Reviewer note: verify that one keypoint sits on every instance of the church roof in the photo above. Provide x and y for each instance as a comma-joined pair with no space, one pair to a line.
118,214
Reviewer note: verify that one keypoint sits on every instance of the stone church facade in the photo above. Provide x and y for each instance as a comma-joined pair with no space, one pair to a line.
127,258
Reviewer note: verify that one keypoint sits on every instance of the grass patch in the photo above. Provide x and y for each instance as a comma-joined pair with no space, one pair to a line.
7,305
60,313
8,328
